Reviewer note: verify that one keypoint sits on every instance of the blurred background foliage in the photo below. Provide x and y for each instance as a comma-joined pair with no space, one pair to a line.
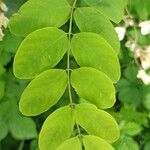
132,109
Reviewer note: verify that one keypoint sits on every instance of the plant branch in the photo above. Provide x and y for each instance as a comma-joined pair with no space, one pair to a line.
68,52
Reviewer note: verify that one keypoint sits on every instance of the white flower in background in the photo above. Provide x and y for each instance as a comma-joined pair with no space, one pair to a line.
1,34
121,32
3,7
145,58
3,19
145,27
129,21
143,76
132,45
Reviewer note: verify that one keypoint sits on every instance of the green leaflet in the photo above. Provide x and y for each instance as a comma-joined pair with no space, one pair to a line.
43,92
14,40
22,127
36,14
91,50
95,143
110,8
131,128
130,88
71,144
90,20
142,9
2,88
13,6
147,146
5,57
39,51
3,129
94,86
2,69
56,129
97,122
126,143
130,73
90,142
124,2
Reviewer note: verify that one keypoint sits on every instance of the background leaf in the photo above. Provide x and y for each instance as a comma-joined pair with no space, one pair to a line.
22,127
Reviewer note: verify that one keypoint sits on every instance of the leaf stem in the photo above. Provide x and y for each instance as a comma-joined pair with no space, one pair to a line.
21,145
68,52
68,60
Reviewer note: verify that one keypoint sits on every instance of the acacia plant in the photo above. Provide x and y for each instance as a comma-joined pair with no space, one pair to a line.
78,28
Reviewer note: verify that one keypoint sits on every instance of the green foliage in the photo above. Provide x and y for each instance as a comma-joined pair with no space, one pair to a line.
50,44
56,129
126,143
98,123
13,6
113,10
129,87
52,39
72,143
14,40
147,146
48,37
140,9
131,123
93,142
102,58
142,40
131,90
12,121
2,88
47,91
97,23
39,18
93,80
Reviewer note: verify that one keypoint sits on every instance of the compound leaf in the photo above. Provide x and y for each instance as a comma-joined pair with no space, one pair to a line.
91,50
90,20
36,14
43,92
95,143
56,129
93,86
40,50
97,122
71,144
